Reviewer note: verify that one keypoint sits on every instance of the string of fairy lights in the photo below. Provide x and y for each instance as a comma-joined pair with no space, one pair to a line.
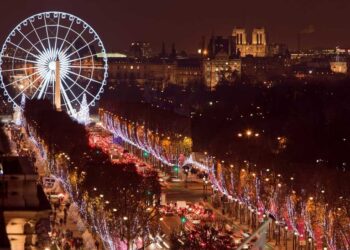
98,216
298,221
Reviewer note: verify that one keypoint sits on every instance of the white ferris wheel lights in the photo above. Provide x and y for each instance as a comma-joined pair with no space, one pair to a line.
53,47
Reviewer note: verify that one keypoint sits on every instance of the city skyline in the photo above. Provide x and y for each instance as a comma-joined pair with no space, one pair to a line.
222,138
185,23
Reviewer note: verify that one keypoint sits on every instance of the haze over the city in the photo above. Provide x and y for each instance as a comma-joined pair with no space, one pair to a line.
184,22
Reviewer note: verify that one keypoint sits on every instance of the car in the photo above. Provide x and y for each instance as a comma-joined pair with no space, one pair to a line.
196,221
48,182
169,213
175,179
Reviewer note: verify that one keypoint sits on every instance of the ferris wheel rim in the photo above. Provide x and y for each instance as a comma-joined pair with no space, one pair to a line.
73,19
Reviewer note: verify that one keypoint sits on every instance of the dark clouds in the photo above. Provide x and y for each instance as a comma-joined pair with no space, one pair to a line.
185,21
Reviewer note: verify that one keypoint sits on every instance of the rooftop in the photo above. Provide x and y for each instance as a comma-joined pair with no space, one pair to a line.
13,165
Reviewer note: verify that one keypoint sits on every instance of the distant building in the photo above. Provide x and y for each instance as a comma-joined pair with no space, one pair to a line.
321,64
219,44
221,68
188,70
339,65
23,202
265,69
153,70
140,50
258,46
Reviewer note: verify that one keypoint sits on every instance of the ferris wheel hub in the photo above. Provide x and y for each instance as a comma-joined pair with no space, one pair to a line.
52,65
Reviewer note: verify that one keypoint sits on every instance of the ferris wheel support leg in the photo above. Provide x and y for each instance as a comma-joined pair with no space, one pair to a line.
57,98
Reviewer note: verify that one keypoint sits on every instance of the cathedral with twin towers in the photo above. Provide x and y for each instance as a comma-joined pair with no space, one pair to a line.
257,46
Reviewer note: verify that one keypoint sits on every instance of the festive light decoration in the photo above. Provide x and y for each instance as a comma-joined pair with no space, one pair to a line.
18,114
102,207
260,192
83,116
143,140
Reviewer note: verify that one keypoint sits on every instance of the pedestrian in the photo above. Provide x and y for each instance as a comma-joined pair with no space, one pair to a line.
65,216
67,205
66,246
56,205
52,222
97,244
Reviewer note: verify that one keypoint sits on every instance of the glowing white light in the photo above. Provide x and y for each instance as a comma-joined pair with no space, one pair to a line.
52,65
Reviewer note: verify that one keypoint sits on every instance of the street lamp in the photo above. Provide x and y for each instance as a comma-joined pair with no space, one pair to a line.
186,175
248,132
286,236
310,243
205,186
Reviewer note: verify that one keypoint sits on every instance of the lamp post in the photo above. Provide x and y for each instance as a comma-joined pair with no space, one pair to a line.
186,175
205,186
310,243
286,236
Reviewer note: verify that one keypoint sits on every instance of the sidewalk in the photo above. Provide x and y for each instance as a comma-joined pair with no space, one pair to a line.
67,234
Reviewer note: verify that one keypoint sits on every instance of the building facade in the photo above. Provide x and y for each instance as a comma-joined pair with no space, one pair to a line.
221,68
140,49
23,202
258,46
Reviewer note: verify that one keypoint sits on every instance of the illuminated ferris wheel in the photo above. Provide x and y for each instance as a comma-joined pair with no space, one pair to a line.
53,55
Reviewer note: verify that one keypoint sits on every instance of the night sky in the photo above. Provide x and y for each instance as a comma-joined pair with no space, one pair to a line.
184,22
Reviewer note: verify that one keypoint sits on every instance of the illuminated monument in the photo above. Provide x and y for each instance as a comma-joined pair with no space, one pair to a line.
258,46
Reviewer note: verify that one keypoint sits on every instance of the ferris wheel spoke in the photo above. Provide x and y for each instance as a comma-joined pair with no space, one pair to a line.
40,86
19,59
58,25
87,44
86,67
23,78
29,85
24,36
67,101
43,86
37,35
87,78
84,89
65,37
18,69
47,32
46,87
76,39
70,90
82,58
23,49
